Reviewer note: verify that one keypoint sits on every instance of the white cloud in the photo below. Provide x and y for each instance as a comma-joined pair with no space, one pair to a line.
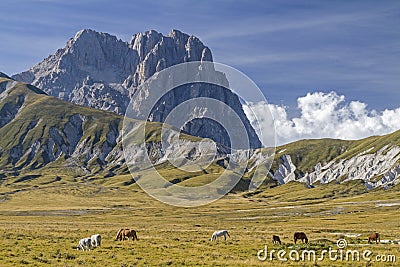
323,115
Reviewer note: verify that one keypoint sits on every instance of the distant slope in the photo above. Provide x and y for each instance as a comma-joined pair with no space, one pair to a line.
374,160
305,154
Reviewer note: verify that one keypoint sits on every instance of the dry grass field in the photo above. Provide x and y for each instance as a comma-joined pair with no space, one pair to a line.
41,226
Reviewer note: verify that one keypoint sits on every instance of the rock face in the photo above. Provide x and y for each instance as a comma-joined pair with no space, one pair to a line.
98,70
88,71
285,172
157,52
381,168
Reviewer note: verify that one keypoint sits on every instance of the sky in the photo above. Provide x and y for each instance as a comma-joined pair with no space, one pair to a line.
291,49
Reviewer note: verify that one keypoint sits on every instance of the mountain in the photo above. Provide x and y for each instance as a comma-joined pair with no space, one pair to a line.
100,71
38,130
43,134
50,142
375,161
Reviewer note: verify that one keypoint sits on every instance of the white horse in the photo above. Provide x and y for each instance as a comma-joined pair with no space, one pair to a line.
96,240
84,244
217,234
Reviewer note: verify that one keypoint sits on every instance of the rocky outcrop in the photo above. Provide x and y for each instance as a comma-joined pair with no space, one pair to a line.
10,110
286,170
379,169
98,70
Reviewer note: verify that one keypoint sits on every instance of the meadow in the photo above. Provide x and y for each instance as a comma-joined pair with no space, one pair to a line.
41,225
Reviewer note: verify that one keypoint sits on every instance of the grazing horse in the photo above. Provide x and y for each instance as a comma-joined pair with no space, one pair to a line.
126,233
96,240
374,237
84,244
276,240
217,234
300,236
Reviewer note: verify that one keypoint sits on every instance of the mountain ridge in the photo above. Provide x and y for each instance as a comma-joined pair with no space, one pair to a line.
42,134
374,160
98,70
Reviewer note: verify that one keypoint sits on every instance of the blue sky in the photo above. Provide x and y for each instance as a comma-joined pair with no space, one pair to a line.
289,48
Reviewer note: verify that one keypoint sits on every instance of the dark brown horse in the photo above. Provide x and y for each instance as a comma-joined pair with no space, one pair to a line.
374,237
300,236
276,240
123,234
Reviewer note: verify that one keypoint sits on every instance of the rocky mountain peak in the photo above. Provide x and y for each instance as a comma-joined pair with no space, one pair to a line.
157,52
143,43
115,67
99,70
87,32
101,56
175,32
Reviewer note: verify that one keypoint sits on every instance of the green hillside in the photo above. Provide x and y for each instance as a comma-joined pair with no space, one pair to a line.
305,154
33,122
37,114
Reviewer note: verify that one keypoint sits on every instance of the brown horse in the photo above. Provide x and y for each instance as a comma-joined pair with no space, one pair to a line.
300,236
276,240
374,237
126,233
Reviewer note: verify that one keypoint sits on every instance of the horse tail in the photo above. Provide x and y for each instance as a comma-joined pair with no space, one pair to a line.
228,233
134,235
118,234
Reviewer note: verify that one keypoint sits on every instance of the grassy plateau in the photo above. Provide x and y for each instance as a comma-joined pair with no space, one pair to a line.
41,225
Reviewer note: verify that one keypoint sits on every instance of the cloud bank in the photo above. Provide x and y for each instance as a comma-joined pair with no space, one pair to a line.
323,115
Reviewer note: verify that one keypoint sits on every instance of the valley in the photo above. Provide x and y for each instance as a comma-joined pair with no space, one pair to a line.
41,226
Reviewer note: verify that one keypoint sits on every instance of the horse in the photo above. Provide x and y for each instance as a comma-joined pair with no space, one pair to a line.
84,244
300,236
276,240
217,234
126,233
374,237
95,240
